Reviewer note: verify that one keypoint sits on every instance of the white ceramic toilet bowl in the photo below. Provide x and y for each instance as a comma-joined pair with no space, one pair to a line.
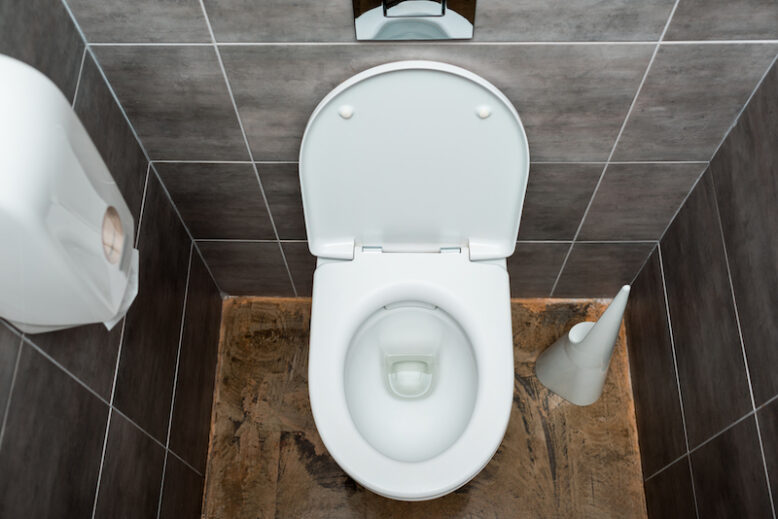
411,368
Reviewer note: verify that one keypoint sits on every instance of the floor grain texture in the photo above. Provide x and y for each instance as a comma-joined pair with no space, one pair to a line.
556,460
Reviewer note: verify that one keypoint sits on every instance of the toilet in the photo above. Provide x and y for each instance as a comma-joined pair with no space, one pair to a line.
413,177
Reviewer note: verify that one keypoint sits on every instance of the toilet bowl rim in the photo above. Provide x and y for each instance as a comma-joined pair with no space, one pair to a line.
492,347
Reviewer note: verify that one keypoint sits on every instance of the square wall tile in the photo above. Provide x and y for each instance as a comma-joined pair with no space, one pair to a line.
191,421
745,174
670,494
559,20
689,100
281,20
302,264
281,182
132,473
711,371
533,268
42,34
600,269
724,20
218,200
113,137
141,21
557,196
572,99
638,201
177,100
89,352
652,369
729,476
144,383
50,455
768,427
9,352
248,268
182,491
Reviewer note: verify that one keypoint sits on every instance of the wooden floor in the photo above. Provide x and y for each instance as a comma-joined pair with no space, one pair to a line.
556,461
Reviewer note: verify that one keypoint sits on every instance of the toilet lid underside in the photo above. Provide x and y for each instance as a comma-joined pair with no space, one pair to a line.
414,167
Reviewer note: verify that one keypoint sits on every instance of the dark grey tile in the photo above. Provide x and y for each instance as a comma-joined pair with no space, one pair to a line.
144,383
50,456
106,125
9,351
702,316
89,352
654,386
600,269
191,420
729,477
281,183
132,473
533,268
302,264
182,492
41,33
557,196
724,20
141,21
745,173
558,20
768,427
572,98
247,268
281,20
669,493
637,201
177,100
689,100
218,201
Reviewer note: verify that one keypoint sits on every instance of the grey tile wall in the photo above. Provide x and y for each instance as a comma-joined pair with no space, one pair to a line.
745,174
600,269
573,70
534,266
652,359
637,201
177,101
51,44
71,452
218,200
717,276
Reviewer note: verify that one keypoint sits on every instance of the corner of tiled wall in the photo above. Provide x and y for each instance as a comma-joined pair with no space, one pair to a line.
99,423
703,333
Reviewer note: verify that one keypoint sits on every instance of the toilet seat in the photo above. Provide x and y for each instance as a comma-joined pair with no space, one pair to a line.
476,296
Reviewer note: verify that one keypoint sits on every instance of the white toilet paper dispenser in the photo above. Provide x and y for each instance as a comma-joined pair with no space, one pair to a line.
66,233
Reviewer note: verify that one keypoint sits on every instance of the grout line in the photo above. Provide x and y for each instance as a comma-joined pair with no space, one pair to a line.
175,378
677,378
80,73
231,240
767,402
7,409
743,347
246,141
142,204
202,161
615,144
376,43
182,460
538,162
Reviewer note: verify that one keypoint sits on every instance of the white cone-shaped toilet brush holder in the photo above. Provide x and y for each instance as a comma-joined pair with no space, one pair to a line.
575,366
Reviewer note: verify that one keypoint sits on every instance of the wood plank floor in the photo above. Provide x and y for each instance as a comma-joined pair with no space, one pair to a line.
556,461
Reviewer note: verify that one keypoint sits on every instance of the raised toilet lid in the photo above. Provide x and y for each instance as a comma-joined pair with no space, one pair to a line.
414,156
